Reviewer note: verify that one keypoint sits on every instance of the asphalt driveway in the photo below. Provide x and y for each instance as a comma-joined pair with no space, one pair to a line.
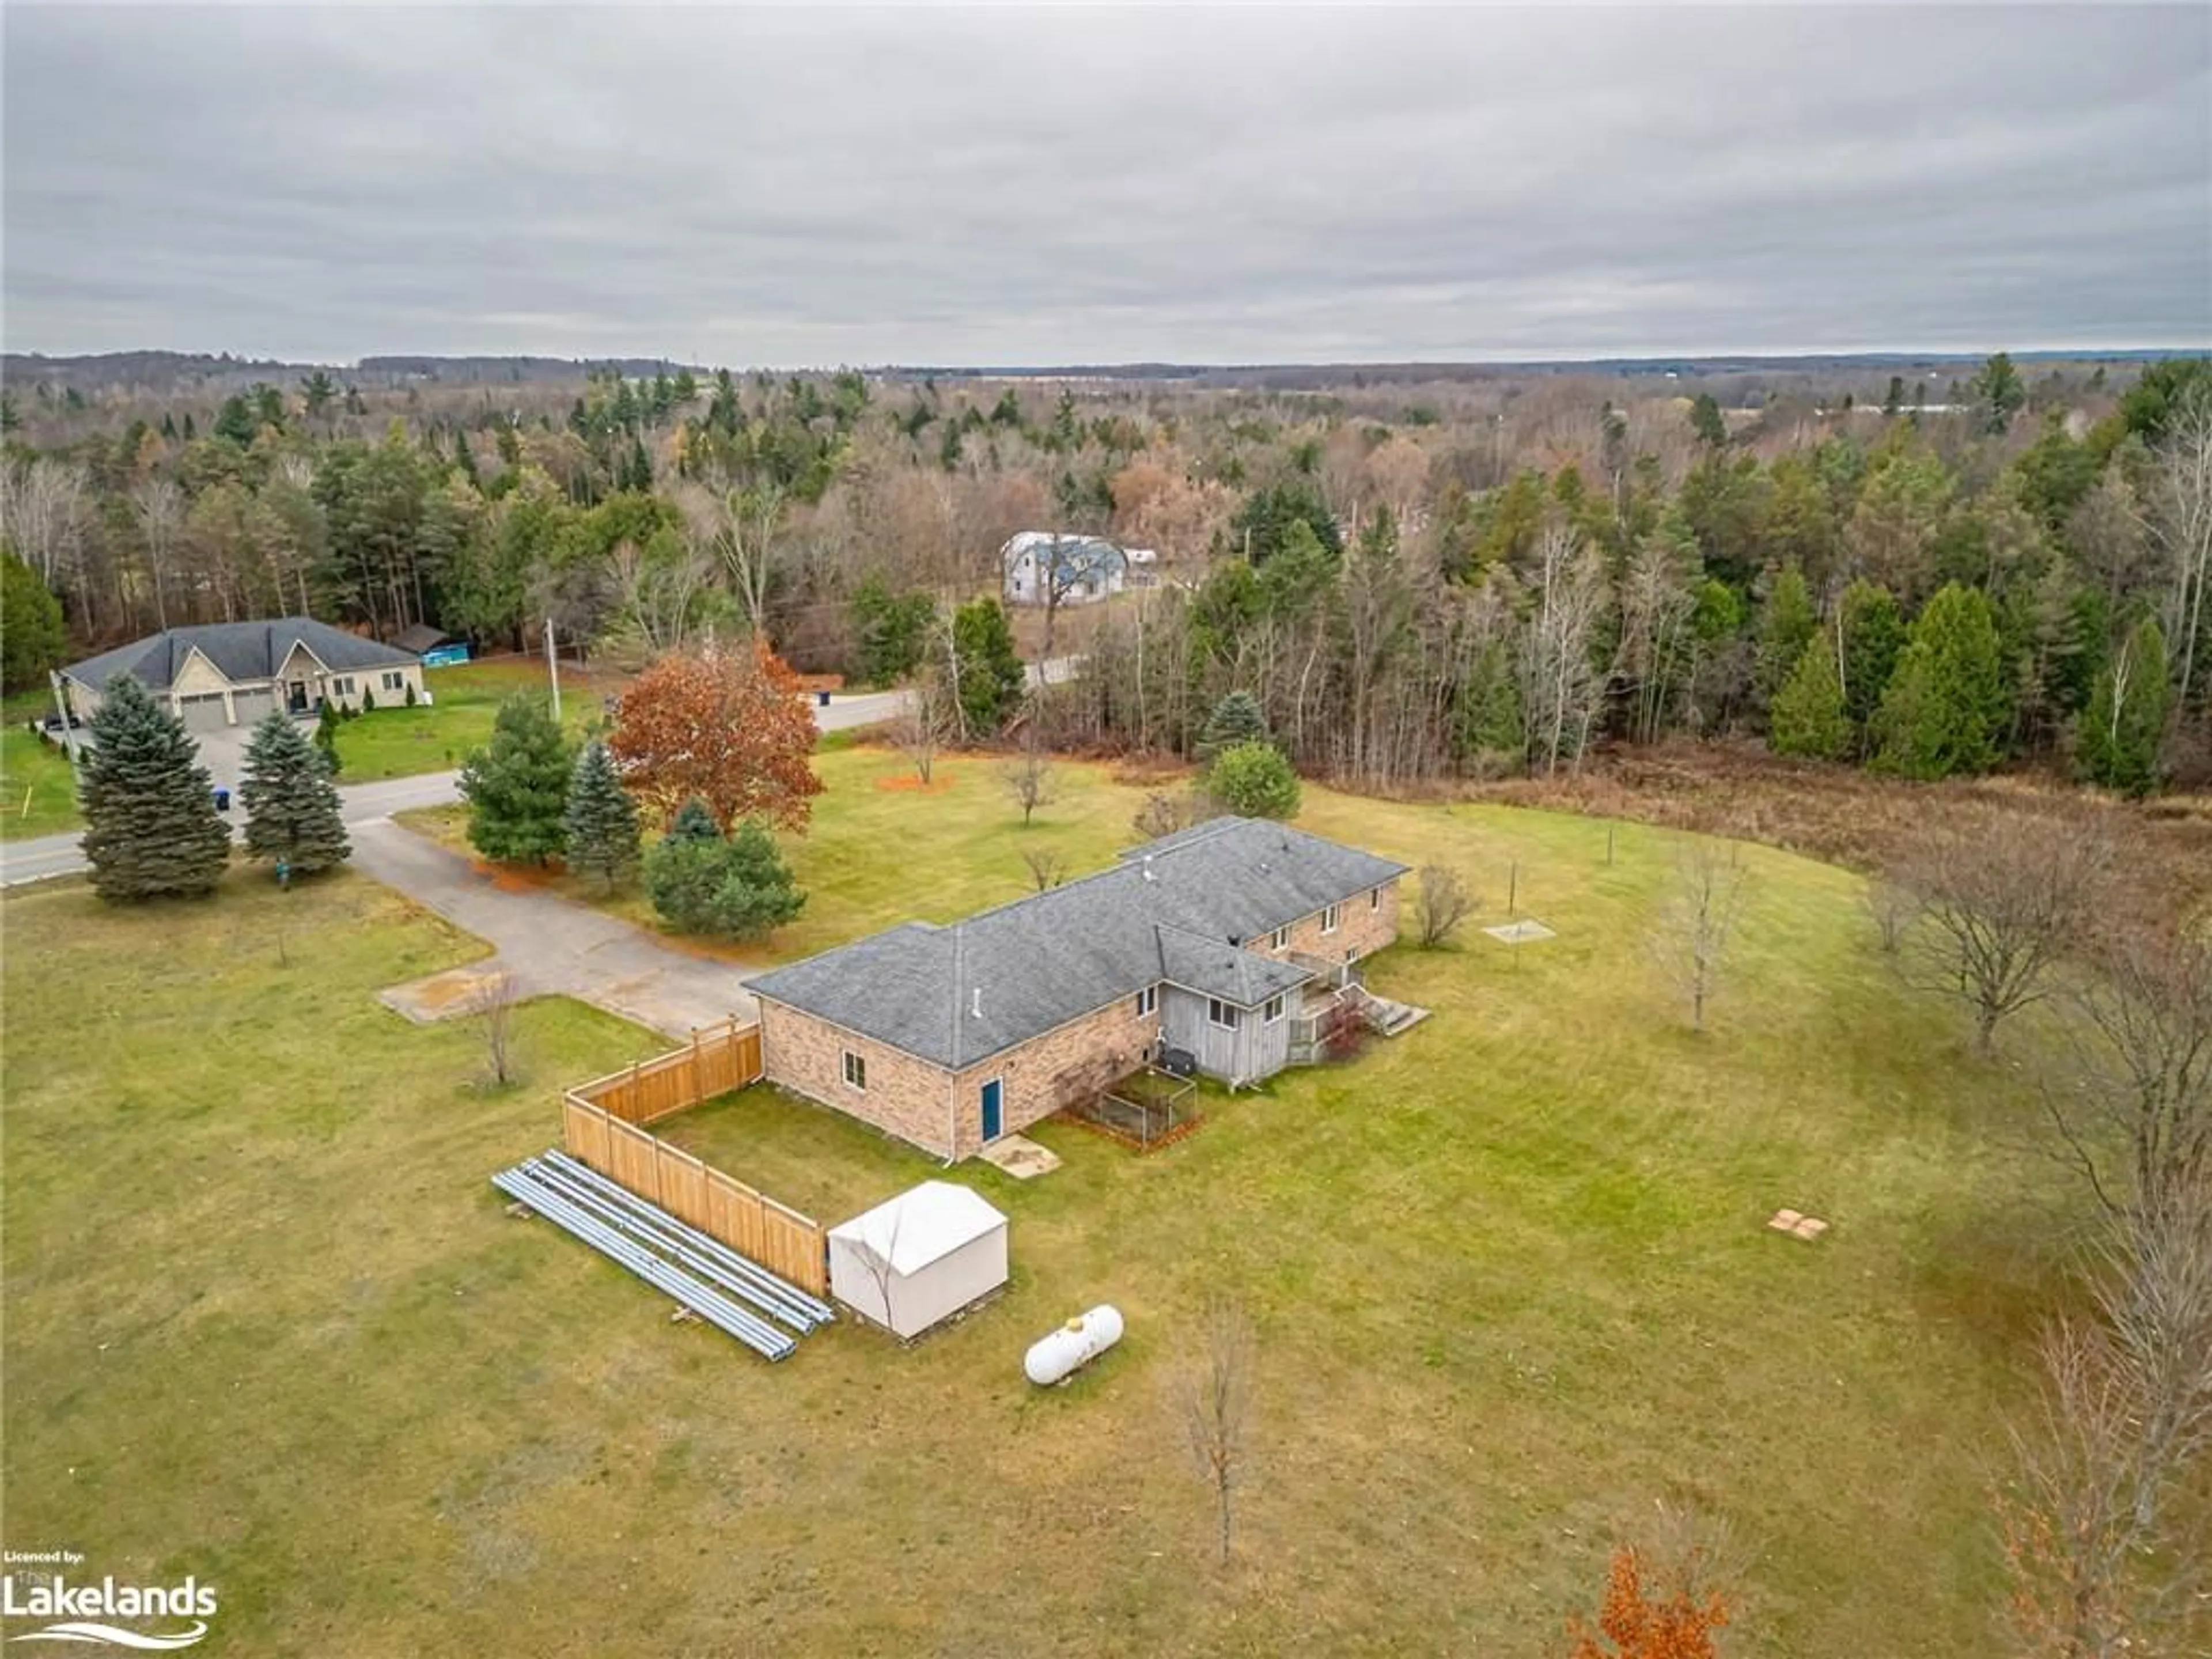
551,946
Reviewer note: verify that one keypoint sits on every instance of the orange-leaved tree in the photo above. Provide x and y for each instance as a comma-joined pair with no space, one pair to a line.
1639,1625
726,726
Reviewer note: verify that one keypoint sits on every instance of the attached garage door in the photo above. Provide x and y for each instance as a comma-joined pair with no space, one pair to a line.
204,713
252,706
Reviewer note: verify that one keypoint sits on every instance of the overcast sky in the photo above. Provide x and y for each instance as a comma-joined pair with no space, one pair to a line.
1042,185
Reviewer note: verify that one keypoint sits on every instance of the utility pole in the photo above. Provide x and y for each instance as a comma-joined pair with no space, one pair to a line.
68,716
553,668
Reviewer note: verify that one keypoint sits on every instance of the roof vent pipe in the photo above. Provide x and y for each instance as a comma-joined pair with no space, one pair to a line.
1148,867
976,1005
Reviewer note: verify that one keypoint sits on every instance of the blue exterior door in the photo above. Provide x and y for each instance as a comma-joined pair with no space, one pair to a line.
993,1094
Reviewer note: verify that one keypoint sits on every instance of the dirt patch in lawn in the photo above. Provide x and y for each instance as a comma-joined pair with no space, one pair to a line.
908,781
441,996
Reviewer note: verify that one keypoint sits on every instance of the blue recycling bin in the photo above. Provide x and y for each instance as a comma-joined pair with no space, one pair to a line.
824,698
223,800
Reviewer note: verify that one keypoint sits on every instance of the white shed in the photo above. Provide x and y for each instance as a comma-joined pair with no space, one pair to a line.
919,1258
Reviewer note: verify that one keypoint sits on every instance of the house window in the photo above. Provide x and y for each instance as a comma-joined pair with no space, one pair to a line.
1273,1010
1375,899
1282,938
856,1072
343,687
1328,920
1221,1013
392,682
1148,999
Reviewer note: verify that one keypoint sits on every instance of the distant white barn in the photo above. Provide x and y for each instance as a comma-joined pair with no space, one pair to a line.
919,1258
1081,568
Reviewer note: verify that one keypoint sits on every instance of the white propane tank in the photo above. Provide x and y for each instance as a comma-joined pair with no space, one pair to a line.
1077,1343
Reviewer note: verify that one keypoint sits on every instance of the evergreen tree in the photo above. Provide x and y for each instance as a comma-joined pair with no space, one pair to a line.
1707,422
1807,716
1236,719
1874,634
33,639
2117,742
1785,625
465,456
517,786
150,825
893,629
1946,706
1254,780
694,821
1999,392
736,887
991,675
758,895
1262,523
291,806
326,738
602,819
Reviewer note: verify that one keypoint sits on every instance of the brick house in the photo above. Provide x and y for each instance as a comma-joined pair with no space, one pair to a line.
1207,940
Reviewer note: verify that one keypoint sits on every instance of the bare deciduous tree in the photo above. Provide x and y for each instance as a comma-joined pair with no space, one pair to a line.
1163,814
1561,688
2181,521
922,726
1697,923
1046,868
1893,908
747,537
1214,1399
1028,778
2138,1116
158,506
2065,1520
880,1263
1443,902
2104,1540
1997,909
494,1004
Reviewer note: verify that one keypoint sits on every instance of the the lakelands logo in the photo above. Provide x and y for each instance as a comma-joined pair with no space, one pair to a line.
81,1611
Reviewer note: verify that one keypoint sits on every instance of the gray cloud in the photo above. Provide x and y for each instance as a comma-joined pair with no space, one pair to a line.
1050,185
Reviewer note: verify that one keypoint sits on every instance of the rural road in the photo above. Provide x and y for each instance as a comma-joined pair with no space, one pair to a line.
368,803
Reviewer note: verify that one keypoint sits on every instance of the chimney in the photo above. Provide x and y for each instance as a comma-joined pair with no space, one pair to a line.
976,1005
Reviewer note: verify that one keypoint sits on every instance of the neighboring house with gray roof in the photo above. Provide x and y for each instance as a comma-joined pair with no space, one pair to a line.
1206,941
215,675
1044,567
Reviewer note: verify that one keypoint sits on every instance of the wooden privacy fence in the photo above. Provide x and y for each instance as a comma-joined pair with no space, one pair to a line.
600,1125
750,1222
716,1061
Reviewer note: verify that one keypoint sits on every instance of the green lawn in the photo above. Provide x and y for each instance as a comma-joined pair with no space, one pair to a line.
38,786
267,1322
388,743
858,863
397,742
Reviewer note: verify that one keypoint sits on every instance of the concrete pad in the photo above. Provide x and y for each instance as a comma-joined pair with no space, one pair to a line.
1020,1156
1784,1221
1810,1227
449,995
1524,932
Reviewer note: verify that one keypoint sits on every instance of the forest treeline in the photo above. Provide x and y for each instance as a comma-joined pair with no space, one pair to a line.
1413,582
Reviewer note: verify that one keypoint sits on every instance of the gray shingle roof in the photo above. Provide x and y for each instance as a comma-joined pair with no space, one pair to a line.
1174,909
242,650
1214,968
